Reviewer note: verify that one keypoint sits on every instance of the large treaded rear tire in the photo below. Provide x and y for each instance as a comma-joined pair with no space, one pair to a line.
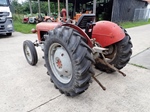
122,52
70,42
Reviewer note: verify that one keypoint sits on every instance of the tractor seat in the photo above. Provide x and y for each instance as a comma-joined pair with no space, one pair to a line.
84,19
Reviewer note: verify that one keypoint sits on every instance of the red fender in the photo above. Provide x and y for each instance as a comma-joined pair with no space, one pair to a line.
81,32
107,33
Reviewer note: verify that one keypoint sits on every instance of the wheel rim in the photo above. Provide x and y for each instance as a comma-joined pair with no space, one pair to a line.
60,63
28,53
111,53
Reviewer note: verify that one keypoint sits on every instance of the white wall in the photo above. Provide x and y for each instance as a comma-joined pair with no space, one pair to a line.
148,6
149,9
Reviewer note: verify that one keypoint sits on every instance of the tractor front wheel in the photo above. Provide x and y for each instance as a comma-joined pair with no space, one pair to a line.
30,52
117,55
68,60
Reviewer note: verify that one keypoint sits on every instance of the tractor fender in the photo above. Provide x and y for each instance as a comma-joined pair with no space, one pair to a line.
107,33
81,33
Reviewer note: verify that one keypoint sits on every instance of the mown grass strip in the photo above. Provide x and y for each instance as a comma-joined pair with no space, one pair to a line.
140,66
134,24
23,28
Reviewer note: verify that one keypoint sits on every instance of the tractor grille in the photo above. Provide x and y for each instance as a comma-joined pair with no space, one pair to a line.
2,27
3,16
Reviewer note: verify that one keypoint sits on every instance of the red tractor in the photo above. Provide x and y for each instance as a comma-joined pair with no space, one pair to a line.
70,50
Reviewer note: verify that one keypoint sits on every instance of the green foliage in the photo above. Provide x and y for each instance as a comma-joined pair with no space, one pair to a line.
19,26
23,8
17,17
16,7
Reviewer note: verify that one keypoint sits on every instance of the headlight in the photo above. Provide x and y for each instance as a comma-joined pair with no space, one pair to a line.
9,26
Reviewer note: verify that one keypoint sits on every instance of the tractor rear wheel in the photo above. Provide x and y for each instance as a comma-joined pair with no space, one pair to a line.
68,60
118,55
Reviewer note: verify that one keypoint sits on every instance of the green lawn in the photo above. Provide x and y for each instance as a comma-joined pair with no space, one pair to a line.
134,24
23,28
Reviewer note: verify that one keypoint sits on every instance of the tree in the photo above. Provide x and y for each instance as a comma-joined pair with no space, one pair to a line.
17,7
24,8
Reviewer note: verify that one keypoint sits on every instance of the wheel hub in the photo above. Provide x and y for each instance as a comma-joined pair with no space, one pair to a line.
110,53
28,53
60,63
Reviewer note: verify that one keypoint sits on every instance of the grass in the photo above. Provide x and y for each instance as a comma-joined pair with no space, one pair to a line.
19,26
134,24
23,28
140,66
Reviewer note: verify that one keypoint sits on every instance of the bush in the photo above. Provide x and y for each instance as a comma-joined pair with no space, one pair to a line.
17,17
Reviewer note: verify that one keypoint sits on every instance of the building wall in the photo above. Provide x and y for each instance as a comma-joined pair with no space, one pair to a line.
123,10
148,7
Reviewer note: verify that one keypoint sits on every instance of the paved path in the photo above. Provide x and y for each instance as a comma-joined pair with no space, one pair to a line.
26,88
141,46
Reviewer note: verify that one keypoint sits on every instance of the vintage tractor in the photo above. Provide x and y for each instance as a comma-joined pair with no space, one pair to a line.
25,20
44,18
70,50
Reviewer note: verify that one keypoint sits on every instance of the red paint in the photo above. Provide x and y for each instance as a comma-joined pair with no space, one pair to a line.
64,14
107,33
45,26
25,20
59,64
